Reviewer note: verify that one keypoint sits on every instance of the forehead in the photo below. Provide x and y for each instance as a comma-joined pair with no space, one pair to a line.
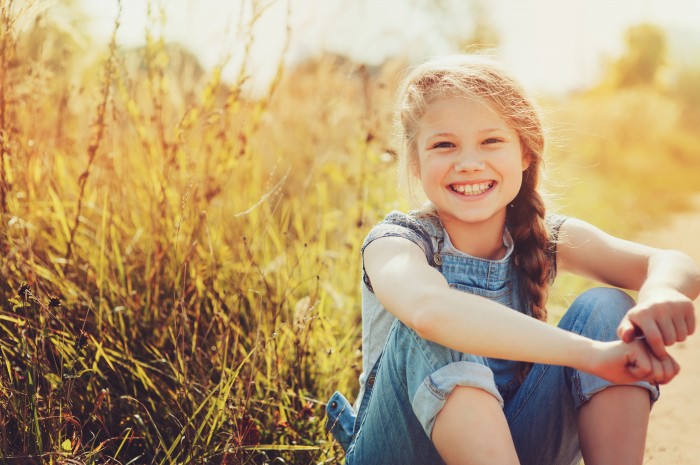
452,113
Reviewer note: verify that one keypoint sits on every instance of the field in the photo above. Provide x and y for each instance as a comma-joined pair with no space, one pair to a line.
179,260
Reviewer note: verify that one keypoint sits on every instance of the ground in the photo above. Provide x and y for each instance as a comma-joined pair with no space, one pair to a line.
675,419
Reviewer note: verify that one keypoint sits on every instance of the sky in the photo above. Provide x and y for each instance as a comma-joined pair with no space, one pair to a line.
550,45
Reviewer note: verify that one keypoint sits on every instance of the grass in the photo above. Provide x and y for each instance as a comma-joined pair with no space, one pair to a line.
180,263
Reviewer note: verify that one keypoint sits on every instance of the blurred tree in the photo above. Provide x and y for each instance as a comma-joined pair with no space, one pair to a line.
686,90
644,56
181,68
484,34
53,43
464,23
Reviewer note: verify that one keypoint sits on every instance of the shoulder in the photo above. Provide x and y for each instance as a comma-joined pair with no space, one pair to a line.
553,222
414,226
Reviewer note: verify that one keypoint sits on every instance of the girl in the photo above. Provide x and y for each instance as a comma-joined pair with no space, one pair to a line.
459,364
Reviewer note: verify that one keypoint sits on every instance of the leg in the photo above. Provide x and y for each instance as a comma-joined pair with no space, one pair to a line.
413,383
488,441
612,420
612,426
542,418
388,431
549,402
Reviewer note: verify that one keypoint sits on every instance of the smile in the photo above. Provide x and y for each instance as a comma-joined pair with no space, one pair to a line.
472,189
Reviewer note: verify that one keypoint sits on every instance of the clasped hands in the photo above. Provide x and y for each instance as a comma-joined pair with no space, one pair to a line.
662,317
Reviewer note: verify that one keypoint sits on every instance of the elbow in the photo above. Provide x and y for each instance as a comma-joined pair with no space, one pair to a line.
695,291
422,324
426,318
690,269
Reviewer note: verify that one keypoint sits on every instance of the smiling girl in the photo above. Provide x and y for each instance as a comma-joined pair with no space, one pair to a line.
459,364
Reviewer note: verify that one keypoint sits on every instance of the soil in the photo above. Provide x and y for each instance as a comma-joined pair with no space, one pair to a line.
674,431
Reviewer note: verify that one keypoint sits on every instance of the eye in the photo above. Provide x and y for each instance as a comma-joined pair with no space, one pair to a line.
442,145
492,140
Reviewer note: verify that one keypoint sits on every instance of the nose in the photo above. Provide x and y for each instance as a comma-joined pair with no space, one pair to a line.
469,161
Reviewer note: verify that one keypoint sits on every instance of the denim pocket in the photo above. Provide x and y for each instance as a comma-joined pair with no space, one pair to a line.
503,295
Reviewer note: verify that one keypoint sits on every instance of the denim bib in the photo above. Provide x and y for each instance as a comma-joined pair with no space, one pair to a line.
495,280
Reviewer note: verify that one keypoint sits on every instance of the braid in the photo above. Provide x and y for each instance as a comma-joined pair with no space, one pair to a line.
531,239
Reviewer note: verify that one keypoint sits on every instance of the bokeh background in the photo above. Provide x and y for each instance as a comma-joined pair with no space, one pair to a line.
184,187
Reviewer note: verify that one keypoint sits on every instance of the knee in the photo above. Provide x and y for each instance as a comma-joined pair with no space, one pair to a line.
406,345
608,299
597,312
407,358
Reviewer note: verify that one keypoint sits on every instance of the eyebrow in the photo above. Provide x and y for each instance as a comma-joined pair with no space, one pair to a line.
482,131
441,134
485,131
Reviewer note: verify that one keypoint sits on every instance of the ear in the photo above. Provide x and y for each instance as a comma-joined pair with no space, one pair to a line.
525,158
525,162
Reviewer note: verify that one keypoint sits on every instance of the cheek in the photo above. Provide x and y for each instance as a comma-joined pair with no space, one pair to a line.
431,171
513,175
518,181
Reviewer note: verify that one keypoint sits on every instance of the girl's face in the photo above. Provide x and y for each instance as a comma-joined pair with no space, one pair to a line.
470,162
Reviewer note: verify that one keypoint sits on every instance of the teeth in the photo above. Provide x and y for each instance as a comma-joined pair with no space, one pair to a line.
472,189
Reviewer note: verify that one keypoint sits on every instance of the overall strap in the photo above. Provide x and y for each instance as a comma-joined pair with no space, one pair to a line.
432,252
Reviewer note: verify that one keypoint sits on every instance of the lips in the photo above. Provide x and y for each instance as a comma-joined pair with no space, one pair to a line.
472,188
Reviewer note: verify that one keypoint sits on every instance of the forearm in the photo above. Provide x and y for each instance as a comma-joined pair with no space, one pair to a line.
420,297
672,269
476,325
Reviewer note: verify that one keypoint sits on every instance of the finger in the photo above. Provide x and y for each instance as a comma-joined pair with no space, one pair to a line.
639,361
654,339
681,327
668,331
656,374
690,322
667,372
670,370
676,366
625,330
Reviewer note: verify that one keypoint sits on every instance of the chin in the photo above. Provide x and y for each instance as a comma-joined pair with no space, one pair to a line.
469,218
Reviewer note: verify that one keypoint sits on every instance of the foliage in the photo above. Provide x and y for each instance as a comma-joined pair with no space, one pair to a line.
180,263
645,54
168,252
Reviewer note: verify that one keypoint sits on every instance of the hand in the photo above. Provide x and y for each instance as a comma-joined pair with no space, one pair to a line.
663,316
624,363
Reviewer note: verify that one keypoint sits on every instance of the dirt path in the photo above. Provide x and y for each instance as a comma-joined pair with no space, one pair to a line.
674,432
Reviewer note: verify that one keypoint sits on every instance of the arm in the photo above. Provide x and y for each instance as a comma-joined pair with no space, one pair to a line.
420,297
667,281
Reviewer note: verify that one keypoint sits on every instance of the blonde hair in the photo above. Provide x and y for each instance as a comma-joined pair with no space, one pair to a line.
480,78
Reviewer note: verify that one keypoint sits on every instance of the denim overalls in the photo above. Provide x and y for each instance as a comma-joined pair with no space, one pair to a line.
411,380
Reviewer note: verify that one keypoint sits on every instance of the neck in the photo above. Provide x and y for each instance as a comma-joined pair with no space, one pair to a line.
482,240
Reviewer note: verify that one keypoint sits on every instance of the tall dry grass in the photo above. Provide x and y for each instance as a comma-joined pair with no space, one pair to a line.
180,262
170,252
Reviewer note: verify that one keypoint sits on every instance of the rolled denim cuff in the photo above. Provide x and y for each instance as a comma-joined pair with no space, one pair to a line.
432,394
340,419
586,386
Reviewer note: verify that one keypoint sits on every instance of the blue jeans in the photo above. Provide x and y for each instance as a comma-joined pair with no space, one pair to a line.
415,376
